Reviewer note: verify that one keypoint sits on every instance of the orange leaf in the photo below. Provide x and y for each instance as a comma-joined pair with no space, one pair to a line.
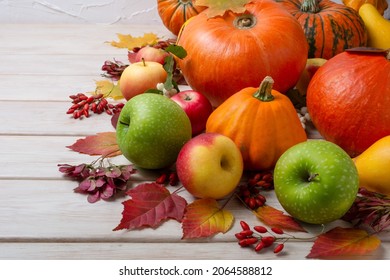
102,144
344,242
130,42
276,218
218,8
204,218
150,204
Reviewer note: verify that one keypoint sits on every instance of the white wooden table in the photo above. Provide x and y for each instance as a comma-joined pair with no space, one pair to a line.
41,217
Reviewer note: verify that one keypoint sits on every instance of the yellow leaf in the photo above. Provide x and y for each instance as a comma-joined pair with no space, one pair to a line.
219,7
204,218
130,42
108,89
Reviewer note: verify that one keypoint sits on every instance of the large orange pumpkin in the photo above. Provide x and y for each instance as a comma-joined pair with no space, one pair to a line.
174,13
228,53
348,100
330,28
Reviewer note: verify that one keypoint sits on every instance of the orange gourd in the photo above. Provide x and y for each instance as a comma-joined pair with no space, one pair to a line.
330,28
261,121
348,99
174,13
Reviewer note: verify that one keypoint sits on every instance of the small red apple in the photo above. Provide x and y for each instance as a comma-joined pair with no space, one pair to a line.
149,53
141,76
197,107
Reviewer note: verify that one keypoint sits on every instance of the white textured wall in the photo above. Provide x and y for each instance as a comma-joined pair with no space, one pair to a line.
79,11
84,11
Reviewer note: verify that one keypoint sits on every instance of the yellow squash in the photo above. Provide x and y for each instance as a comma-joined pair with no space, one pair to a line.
378,28
381,5
373,166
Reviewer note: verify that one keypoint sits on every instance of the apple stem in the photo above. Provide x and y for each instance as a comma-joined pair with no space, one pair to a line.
264,93
312,176
143,61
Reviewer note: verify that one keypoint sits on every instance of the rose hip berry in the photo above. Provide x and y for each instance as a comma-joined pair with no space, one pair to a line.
97,104
261,238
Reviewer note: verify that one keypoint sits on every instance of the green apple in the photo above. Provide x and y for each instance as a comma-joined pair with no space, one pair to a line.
316,181
210,165
151,130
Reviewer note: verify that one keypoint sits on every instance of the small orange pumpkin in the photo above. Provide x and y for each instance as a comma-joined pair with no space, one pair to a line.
174,13
261,121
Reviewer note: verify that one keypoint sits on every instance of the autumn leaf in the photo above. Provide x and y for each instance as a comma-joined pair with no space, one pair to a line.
108,89
219,7
347,242
130,42
276,218
204,218
150,204
102,144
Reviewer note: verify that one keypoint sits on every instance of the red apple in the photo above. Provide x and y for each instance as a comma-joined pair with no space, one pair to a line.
141,76
197,107
149,53
210,165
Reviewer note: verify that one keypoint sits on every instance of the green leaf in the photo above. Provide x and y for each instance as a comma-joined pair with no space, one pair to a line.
169,66
176,50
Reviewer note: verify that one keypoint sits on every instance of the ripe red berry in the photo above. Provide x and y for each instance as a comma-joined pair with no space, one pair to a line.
260,229
244,225
277,230
278,248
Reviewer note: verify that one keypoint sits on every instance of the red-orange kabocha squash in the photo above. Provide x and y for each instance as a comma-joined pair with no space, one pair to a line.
330,28
348,100
228,53
261,121
174,13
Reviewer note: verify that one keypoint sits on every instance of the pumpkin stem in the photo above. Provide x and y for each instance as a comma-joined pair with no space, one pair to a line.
310,6
244,21
264,93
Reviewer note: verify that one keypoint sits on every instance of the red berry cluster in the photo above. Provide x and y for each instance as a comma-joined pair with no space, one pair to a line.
98,182
169,177
249,192
113,69
83,105
260,237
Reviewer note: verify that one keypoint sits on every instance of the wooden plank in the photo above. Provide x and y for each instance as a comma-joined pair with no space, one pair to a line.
161,251
87,39
48,118
29,157
44,88
60,65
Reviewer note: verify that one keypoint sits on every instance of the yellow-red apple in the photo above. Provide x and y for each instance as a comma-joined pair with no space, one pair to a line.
141,76
149,53
312,65
210,165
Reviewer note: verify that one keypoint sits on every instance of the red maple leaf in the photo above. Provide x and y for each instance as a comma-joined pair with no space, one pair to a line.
150,204
347,242
276,218
102,144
